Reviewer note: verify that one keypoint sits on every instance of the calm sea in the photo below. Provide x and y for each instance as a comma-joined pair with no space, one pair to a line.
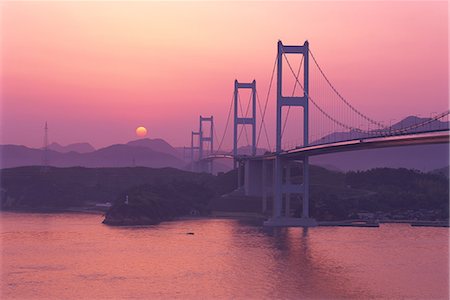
74,256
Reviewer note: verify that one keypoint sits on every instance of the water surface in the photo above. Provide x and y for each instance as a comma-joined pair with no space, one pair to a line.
74,256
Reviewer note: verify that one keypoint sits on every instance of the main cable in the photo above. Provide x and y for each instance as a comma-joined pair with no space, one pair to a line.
265,106
226,126
341,97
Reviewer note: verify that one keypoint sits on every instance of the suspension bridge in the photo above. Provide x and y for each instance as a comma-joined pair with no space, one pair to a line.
338,126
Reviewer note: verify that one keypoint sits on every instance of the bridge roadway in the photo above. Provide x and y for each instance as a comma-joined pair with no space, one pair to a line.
422,138
257,174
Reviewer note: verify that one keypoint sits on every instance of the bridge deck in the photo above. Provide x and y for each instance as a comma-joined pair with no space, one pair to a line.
434,137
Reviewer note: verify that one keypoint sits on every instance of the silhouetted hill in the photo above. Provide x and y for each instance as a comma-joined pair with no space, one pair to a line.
15,156
396,190
413,120
112,156
125,156
160,194
153,203
158,145
76,147
29,187
442,171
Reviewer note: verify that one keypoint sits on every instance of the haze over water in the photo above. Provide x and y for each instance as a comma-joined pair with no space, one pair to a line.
67,256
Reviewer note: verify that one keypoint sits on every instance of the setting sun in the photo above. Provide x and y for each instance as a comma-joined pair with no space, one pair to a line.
141,131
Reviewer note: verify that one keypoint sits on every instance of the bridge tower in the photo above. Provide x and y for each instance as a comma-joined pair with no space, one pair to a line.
193,148
204,139
301,101
243,120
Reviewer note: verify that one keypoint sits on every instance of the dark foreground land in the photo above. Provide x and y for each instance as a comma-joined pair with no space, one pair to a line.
156,195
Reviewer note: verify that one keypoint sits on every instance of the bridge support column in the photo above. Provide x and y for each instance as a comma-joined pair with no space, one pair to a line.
305,202
240,175
278,194
288,188
253,179
264,187
267,185
287,197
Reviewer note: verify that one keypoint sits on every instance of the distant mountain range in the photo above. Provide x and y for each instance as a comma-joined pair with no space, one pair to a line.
158,153
76,147
135,153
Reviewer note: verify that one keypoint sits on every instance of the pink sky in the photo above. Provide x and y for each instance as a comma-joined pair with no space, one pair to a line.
97,70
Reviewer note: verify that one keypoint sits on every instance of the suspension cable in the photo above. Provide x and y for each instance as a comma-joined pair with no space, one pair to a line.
262,124
215,137
357,129
265,106
341,97
226,126
316,105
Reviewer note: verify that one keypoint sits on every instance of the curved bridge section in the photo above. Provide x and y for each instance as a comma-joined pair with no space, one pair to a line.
218,156
435,137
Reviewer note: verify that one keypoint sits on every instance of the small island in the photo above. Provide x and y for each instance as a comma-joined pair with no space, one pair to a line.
151,204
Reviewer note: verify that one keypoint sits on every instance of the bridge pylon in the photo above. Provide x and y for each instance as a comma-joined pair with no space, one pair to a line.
244,120
193,148
203,139
288,187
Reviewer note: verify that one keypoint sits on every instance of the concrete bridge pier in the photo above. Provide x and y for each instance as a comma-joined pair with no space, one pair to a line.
253,180
267,182
287,196
204,166
278,181
287,188
240,177
305,202
264,188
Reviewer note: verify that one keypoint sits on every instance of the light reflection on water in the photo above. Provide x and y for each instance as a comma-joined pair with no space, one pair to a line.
54,256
